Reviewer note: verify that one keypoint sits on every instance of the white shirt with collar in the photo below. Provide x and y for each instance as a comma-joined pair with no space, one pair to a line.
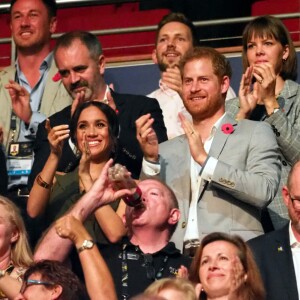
171,104
295,248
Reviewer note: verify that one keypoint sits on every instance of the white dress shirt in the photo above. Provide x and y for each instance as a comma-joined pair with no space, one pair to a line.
197,174
295,247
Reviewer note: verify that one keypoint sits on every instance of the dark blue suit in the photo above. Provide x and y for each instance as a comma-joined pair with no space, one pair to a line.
273,256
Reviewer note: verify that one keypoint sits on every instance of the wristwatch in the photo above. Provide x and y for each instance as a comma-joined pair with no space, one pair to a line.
87,244
276,109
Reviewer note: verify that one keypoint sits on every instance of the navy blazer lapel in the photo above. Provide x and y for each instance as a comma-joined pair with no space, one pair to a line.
220,137
282,255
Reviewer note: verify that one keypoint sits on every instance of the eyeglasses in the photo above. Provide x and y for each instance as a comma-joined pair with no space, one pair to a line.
30,282
296,201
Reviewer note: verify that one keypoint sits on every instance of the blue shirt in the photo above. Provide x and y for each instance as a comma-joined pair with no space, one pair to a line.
28,133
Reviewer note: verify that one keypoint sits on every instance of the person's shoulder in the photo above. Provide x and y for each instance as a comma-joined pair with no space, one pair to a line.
266,239
232,101
251,125
63,115
154,93
174,253
7,73
132,98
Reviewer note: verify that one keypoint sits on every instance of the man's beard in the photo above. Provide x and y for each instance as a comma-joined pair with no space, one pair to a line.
162,66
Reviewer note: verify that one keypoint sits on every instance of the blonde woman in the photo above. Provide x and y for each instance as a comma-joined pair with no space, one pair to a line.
15,253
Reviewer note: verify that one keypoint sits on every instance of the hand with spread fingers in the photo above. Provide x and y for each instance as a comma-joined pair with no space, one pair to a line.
238,277
172,78
84,166
266,77
20,100
56,137
103,191
248,94
194,139
147,137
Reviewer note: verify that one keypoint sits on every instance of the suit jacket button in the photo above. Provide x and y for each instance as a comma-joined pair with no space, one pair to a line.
277,133
183,225
284,163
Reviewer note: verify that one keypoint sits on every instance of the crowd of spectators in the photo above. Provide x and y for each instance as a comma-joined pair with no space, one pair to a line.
188,193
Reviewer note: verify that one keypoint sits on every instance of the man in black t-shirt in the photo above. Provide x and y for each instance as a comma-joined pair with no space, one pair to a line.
145,255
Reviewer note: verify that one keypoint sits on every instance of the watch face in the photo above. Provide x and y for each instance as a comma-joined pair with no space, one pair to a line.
88,244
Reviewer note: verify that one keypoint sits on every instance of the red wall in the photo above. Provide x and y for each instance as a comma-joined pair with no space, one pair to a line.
128,15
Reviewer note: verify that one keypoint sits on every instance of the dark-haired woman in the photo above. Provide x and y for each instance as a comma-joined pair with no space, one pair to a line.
268,92
94,129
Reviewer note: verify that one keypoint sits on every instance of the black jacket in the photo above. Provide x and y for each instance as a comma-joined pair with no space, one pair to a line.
130,108
274,258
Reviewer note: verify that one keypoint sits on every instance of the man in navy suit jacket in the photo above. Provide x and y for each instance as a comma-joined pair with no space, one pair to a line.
81,64
278,253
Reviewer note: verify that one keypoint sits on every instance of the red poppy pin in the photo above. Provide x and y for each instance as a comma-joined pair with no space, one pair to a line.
227,128
56,77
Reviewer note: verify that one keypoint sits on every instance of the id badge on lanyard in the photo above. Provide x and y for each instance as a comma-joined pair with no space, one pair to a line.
20,158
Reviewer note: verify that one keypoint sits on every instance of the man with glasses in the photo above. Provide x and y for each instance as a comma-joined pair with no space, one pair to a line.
51,280
278,253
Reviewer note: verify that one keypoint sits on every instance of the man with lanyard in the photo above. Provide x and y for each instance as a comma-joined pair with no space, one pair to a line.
142,257
32,23
223,172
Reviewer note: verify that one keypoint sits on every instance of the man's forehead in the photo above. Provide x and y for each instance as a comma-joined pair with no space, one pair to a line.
151,183
198,63
175,26
35,5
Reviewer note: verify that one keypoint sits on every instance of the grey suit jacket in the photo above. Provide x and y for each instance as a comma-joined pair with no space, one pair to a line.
286,126
245,180
55,98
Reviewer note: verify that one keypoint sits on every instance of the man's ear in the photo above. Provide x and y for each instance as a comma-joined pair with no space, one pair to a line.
154,57
124,220
225,84
101,64
56,292
53,25
174,216
285,195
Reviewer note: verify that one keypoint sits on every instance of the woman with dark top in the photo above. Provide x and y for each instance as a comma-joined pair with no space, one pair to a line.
94,129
